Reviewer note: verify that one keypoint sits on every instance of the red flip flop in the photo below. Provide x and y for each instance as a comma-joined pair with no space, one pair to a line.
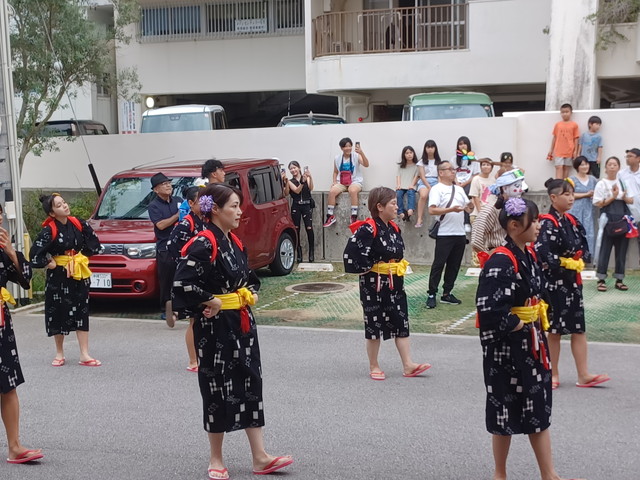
91,363
26,456
274,465
58,362
597,380
377,375
218,474
193,369
423,367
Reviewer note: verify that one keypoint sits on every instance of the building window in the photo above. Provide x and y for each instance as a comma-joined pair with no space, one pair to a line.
178,20
289,14
239,17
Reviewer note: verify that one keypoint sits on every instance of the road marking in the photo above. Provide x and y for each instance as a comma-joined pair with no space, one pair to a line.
276,301
457,323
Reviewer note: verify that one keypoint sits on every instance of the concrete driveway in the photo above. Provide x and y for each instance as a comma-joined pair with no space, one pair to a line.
139,416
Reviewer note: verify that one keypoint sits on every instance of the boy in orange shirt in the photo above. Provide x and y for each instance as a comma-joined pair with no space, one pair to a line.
564,143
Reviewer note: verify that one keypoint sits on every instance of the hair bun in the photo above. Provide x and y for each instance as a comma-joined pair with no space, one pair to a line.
548,182
42,198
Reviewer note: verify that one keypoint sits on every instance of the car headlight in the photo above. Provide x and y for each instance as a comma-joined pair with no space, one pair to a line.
140,250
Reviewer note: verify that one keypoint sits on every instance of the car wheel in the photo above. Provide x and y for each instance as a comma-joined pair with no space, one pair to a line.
285,256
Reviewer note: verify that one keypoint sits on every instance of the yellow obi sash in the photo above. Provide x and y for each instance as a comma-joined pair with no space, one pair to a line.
77,266
236,300
572,264
5,296
391,268
533,313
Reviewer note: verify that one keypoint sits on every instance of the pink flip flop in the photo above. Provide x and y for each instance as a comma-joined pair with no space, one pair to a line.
26,456
597,380
377,375
274,465
423,367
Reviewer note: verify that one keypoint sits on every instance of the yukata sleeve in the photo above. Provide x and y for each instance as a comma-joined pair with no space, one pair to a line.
547,238
586,254
253,282
177,238
91,241
20,274
494,299
189,282
357,254
39,252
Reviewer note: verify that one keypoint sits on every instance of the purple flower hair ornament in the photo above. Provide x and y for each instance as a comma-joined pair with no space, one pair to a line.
206,203
515,207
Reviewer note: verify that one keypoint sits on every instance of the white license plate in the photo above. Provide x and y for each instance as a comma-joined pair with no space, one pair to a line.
100,280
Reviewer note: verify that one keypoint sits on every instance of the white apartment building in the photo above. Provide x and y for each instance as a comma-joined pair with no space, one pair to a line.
262,59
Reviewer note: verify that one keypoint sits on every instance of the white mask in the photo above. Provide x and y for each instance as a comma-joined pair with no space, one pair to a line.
514,190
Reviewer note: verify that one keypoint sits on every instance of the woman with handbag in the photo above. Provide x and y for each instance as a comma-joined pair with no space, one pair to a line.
611,197
347,177
563,250
300,187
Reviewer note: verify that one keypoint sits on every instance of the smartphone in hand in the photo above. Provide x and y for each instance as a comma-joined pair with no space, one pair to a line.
306,169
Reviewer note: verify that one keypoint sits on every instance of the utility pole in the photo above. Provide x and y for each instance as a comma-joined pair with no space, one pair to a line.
10,191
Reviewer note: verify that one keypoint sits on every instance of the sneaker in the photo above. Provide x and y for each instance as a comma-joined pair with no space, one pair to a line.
431,301
331,219
450,298
467,228
354,218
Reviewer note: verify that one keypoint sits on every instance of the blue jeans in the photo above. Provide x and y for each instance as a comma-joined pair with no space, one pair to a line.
411,199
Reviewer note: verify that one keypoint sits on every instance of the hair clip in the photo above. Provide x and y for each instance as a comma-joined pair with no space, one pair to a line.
515,207
55,194
206,203
570,182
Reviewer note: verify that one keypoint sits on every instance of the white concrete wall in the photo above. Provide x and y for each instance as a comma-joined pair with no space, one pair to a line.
526,135
623,58
506,46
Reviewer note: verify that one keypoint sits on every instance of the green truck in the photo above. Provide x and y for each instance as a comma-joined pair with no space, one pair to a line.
445,105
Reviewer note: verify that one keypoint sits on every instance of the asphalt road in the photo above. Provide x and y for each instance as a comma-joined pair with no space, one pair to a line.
139,415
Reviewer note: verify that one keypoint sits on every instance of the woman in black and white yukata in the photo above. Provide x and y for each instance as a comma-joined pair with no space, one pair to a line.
213,280
13,268
375,251
187,228
563,250
512,319
63,247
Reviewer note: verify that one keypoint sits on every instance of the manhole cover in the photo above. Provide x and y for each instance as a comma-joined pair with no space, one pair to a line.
318,287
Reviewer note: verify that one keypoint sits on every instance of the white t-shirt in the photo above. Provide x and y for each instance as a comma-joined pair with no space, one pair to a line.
631,182
430,170
466,170
453,222
604,190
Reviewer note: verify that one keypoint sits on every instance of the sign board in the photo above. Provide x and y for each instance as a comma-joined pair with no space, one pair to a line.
251,25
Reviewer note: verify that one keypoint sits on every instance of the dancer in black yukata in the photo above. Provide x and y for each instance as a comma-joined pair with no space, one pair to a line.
512,319
13,268
376,252
63,247
187,228
563,250
213,279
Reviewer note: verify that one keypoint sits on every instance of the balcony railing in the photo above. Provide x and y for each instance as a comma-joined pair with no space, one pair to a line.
210,19
416,29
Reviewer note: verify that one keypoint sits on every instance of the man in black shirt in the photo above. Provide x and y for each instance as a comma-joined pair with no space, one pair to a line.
163,212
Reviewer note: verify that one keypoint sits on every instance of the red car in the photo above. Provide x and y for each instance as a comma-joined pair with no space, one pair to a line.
126,266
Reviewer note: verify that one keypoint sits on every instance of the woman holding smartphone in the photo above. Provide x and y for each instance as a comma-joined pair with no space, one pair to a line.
300,187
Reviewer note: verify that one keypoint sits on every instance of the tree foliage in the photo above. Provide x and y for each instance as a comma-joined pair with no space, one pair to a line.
610,14
55,49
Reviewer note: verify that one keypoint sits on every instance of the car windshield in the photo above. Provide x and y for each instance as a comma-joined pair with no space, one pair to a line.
176,122
443,112
302,122
128,198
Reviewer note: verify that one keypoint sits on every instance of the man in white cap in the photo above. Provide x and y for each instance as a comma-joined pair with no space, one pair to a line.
163,212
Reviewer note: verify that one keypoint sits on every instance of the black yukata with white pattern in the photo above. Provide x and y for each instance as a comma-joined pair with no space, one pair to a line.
563,286
10,371
385,309
66,300
518,385
229,372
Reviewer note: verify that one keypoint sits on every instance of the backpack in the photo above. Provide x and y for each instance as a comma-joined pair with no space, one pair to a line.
211,237
51,223
505,251
372,223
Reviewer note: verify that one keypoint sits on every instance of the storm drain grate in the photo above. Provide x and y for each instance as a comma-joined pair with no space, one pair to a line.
318,287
